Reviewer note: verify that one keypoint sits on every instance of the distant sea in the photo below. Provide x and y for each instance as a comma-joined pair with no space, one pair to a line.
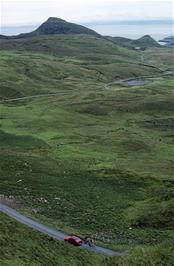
129,29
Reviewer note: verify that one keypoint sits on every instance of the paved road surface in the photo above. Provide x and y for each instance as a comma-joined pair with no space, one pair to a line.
29,97
51,232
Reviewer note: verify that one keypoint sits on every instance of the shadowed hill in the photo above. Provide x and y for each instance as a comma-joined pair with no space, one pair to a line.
60,26
59,37
3,37
140,44
55,26
146,41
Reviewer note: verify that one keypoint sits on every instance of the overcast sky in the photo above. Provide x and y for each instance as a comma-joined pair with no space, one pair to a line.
25,12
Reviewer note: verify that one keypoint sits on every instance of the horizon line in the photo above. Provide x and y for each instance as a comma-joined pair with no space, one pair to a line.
99,22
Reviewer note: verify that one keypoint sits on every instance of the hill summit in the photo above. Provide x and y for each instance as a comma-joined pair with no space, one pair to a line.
53,26
140,44
59,26
147,41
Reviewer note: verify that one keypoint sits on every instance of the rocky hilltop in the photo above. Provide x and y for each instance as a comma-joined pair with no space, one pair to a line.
55,26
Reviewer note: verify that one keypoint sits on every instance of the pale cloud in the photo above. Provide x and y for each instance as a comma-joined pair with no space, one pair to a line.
24,12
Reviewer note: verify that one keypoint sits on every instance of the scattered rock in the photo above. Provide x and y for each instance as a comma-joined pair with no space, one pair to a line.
57,198
10,201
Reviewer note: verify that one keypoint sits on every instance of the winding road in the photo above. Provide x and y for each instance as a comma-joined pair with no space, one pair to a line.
58,235
105,86
29,97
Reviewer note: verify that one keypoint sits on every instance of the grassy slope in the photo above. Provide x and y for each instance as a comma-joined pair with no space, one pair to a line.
144,43
159,255
23,246
93,154
67,45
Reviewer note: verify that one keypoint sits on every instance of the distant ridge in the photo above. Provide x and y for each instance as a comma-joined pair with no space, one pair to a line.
140,44
147,41
55,26
169,41
3,37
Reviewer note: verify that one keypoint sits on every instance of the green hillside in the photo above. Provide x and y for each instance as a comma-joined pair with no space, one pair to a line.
88,46
26,247
142,43
25,74
89,155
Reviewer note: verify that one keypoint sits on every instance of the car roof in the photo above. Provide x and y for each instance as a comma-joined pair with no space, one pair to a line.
75,237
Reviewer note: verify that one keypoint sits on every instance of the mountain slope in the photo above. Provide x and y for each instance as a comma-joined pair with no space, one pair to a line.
55,26
69,45
3,37
124,42
60,26
142,43
146,42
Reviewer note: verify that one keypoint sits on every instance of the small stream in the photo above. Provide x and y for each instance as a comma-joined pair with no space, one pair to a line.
126,82
135,82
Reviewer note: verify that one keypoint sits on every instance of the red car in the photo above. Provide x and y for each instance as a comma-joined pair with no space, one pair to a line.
74,240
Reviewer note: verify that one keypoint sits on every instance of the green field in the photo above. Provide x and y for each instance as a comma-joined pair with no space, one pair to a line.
89,160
